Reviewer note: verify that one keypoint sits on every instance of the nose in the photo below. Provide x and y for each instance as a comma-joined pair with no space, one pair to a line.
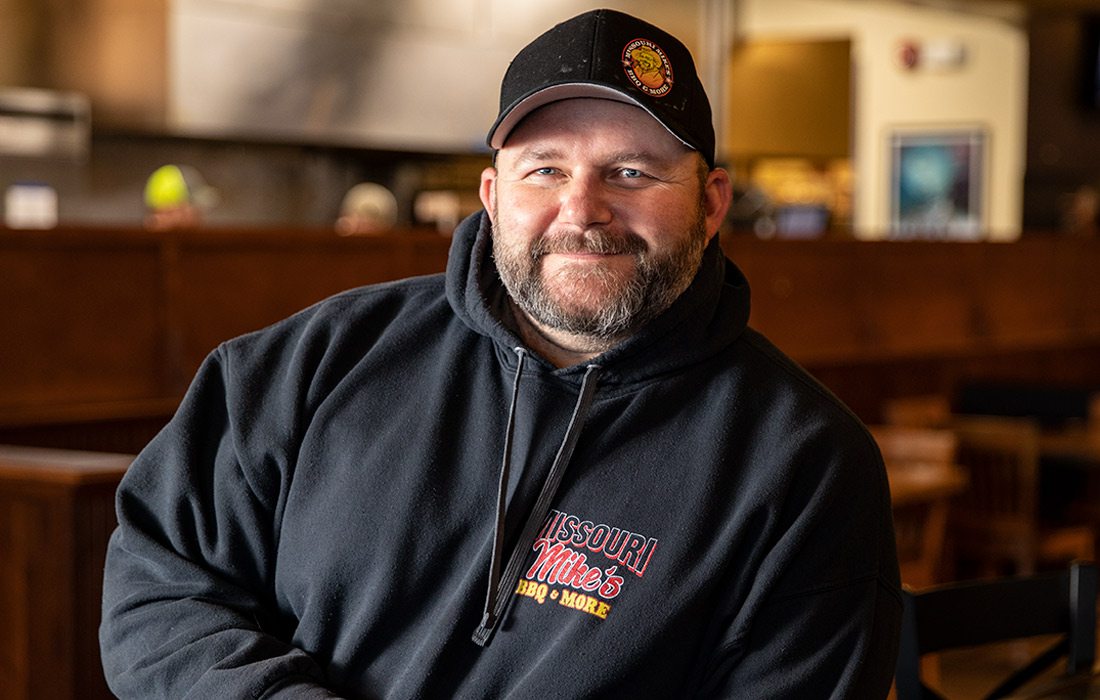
585,202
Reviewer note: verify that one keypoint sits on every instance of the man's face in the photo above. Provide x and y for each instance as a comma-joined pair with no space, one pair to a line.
600,216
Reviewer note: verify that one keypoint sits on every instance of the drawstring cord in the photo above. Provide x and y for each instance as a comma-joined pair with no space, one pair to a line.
498,596
488,620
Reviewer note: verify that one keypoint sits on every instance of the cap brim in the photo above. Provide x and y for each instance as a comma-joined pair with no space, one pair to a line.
555,93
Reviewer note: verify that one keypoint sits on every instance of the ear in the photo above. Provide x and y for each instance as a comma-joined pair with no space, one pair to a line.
717,195
487,192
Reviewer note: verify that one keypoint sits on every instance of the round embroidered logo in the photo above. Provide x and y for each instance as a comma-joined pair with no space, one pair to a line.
647,67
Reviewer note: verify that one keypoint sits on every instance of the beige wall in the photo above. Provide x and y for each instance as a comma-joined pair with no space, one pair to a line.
989,91
21,35
111,50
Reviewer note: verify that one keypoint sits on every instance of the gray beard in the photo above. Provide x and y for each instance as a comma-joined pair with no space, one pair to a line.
617,305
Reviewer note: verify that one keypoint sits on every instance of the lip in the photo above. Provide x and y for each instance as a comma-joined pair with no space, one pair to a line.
589,256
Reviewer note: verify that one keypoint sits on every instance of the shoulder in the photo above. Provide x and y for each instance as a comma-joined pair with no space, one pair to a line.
828,468
797,396
808,440
393,299
314,349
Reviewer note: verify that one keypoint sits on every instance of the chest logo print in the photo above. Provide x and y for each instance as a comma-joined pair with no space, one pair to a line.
562,571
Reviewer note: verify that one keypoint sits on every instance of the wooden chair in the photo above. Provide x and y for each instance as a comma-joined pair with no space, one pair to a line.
920,463
995,520
982,612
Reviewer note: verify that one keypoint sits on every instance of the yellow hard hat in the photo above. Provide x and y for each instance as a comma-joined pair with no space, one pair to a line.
166,187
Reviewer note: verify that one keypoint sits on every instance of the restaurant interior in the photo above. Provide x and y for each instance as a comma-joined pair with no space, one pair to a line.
917,208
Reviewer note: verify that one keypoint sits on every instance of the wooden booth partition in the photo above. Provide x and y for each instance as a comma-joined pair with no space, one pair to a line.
224,286
83,322
56,514
877,320
103,329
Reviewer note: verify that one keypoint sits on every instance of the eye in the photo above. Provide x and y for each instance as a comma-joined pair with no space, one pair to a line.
633,177
545,175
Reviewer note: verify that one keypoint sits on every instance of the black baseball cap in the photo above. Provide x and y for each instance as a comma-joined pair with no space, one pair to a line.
614,56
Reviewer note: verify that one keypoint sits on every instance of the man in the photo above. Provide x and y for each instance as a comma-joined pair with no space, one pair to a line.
567,469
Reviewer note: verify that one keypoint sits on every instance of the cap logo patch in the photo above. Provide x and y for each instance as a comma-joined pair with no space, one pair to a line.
647,67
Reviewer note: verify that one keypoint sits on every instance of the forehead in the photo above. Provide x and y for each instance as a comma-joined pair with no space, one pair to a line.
588,125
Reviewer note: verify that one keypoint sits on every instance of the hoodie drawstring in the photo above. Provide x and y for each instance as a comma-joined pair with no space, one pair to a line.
488,620
497,596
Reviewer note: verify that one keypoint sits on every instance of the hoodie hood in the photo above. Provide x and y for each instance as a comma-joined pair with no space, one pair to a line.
710,315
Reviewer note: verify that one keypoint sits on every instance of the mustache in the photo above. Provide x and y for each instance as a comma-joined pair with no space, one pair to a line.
597,241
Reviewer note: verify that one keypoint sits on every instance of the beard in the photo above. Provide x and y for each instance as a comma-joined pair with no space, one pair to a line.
595,301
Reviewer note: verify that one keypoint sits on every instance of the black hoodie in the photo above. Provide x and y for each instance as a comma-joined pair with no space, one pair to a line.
688,515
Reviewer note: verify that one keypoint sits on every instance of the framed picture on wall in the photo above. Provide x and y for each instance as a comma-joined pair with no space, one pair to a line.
937,183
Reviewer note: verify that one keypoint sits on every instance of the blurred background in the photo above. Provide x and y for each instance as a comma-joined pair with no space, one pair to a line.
283,105
917,198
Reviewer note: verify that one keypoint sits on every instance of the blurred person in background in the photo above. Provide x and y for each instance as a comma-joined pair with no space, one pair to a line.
367,208
177,197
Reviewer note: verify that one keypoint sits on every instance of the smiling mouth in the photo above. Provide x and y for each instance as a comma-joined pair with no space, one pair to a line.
593,244
588,254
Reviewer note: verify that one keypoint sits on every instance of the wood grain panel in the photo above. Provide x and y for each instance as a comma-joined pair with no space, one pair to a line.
1025,294
229,287
918,300
806,299
1079,267
103,330
56,513
80,319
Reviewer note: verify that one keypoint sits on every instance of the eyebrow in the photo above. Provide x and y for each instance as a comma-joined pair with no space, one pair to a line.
532,154
643,157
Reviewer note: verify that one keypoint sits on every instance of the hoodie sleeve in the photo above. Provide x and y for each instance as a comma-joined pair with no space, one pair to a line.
839,643
824,616
188,604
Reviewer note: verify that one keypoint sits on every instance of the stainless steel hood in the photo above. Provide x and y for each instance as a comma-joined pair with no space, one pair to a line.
391,73
417,75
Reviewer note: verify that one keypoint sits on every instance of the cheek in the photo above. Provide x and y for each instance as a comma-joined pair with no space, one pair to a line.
522,214
658,222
